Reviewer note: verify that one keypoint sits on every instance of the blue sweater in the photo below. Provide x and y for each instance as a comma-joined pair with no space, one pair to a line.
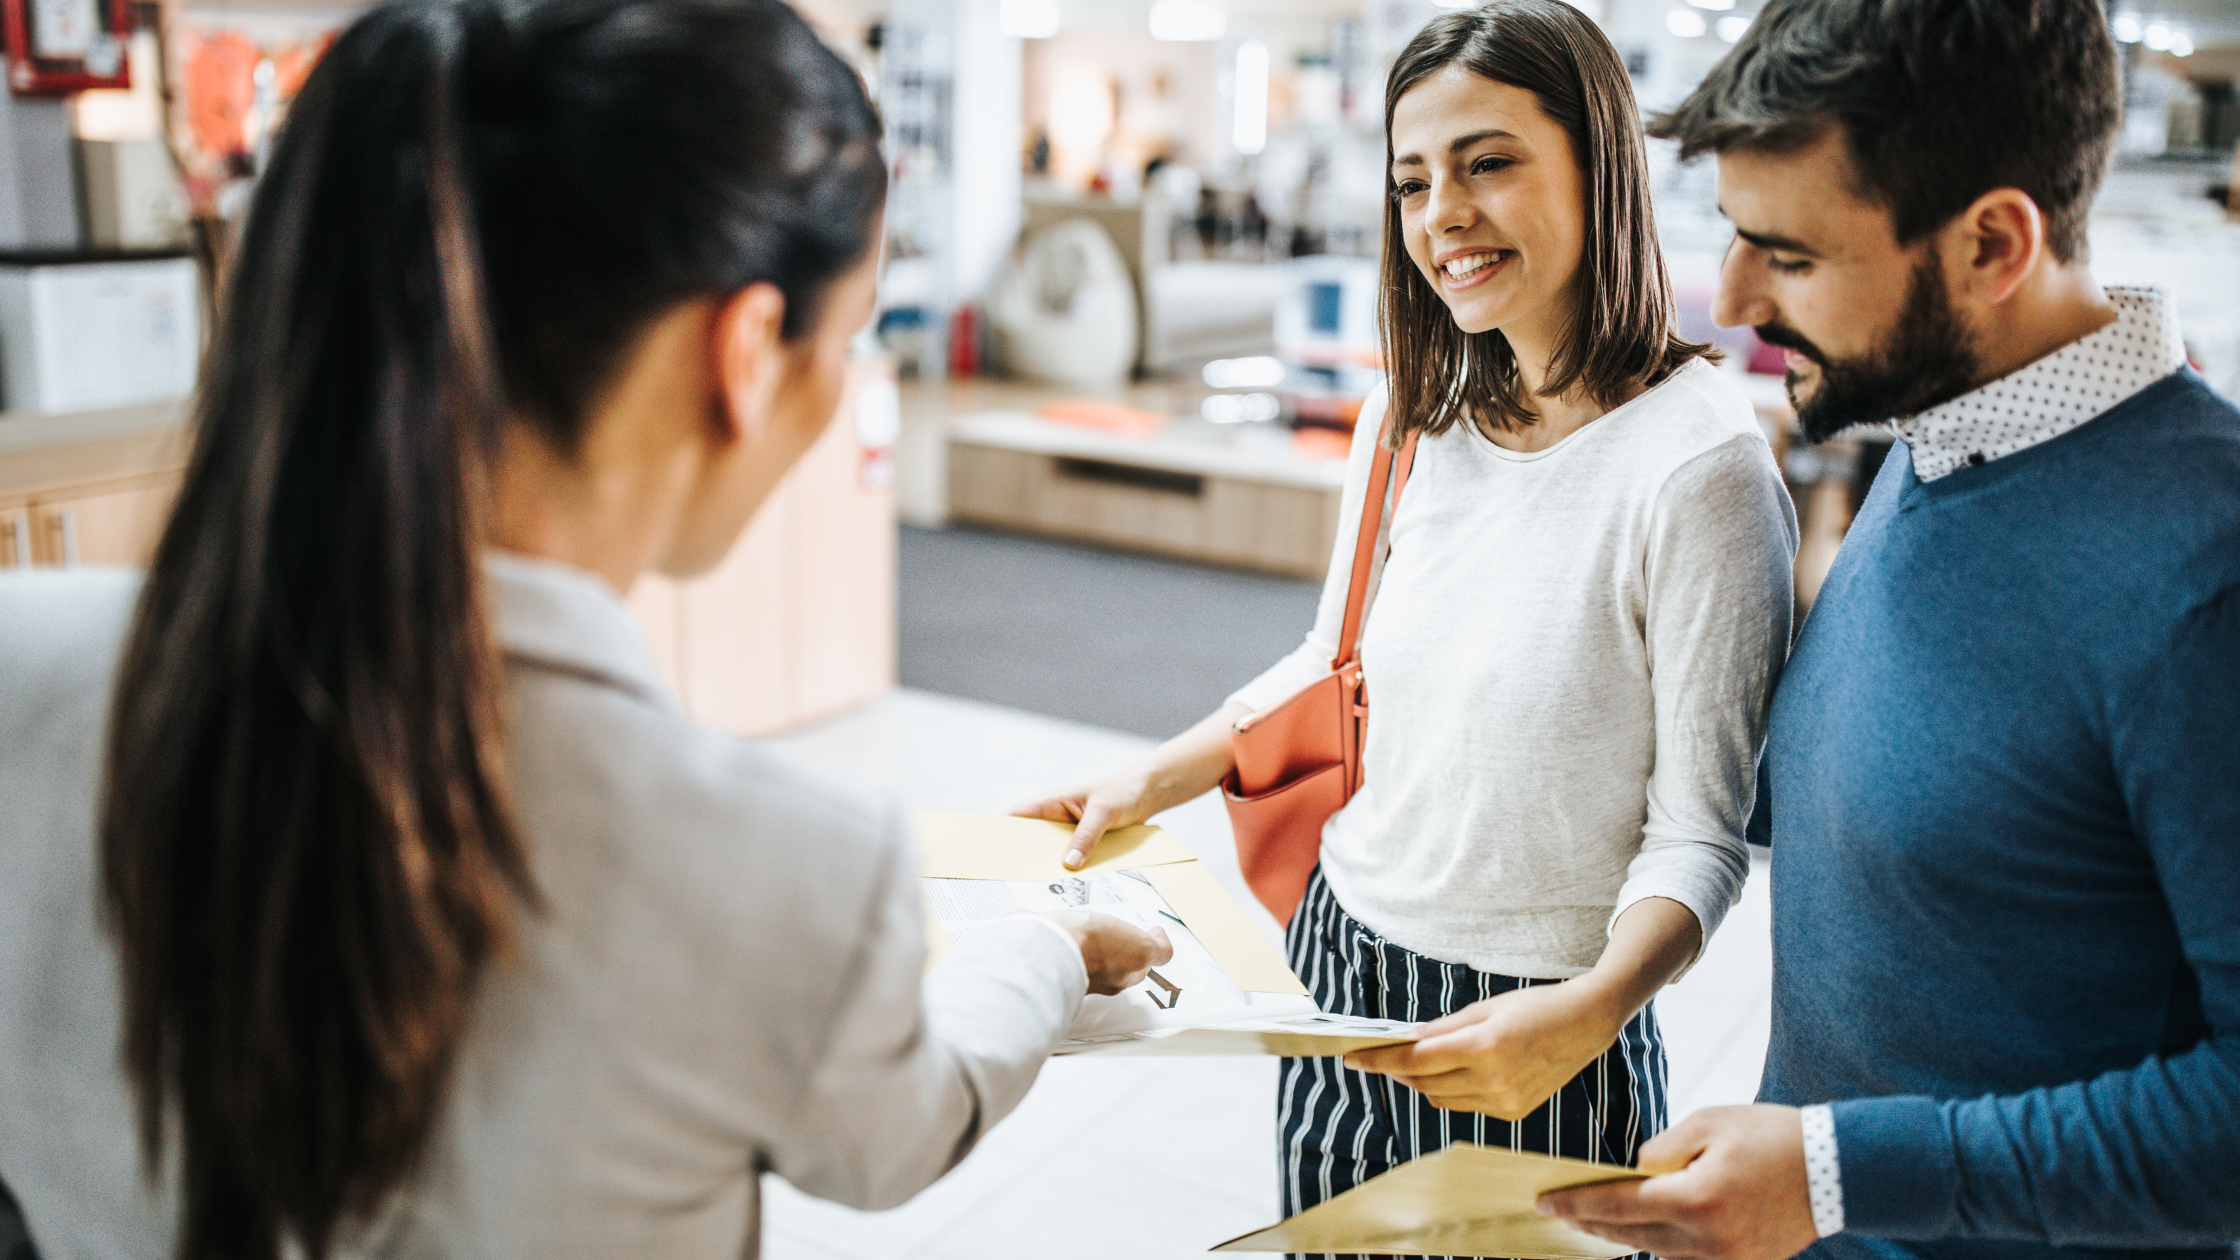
2003,782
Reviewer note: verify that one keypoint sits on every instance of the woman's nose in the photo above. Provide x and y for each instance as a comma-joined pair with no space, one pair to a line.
1450,209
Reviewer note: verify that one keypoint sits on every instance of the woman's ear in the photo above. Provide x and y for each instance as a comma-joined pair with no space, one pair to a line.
750,361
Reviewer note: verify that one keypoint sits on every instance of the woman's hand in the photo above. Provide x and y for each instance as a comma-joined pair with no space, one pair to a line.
1185,767
1123,800
1117,952
1506,1055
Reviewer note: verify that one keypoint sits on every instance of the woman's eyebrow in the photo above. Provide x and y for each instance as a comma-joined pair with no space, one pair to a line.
1457,145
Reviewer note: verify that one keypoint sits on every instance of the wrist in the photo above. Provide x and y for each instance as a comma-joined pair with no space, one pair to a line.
1611,993
1177,776
1074,926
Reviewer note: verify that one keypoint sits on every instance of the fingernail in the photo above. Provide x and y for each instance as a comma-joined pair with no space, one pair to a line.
1073,859
1543,1207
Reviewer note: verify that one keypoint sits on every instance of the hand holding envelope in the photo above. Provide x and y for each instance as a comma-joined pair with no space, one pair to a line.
1503,1056
1506,1055
1730,1185
1223,989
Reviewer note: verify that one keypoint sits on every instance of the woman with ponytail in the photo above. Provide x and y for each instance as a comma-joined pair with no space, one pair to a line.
361,889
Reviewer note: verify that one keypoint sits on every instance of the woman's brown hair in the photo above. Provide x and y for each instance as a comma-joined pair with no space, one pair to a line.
307,848
1621,332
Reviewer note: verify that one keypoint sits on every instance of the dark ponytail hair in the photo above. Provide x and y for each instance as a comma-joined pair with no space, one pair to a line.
308,853
1622,330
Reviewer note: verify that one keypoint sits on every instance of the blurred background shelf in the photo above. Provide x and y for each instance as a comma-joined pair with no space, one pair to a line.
1237,495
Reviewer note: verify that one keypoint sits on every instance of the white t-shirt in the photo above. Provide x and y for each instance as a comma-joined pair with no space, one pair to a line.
1568,660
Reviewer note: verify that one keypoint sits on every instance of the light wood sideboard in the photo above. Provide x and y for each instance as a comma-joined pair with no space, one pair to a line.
1194,492
90,489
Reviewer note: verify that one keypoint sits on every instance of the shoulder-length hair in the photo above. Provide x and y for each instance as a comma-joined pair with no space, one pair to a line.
1621,331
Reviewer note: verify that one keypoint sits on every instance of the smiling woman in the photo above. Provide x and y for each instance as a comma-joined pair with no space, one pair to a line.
1583,605
1501,124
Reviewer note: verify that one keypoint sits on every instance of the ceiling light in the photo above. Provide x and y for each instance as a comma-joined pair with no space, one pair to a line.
2181,45
1028,19
2157,36
1686,23
2126,27
1731,28
1187,20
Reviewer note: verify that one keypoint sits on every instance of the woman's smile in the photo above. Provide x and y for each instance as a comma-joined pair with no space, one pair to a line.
1470,270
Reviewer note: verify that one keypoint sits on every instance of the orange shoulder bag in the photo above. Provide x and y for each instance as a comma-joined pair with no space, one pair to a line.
1299,762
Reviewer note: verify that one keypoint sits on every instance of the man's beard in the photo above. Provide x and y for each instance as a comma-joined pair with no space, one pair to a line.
1926,358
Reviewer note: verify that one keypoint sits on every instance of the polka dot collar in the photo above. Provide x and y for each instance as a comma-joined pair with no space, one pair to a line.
2053,395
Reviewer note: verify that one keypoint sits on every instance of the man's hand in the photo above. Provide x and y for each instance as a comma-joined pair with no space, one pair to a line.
1506,1055
1730,1186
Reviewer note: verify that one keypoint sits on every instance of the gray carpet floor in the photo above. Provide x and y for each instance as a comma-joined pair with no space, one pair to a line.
1115,640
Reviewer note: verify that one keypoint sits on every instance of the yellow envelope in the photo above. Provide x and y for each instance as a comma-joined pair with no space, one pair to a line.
990,846
1462,1201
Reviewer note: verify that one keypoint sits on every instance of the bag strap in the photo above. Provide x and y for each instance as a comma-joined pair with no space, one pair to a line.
1387,466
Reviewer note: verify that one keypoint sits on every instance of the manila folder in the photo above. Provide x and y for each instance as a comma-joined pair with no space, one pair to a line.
1464,1200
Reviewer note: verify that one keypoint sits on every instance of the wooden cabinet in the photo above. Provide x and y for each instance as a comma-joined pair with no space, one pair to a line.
115,524
88,489
16,551
798,622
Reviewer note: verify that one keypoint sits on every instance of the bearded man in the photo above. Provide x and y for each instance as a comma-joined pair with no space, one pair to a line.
2003,772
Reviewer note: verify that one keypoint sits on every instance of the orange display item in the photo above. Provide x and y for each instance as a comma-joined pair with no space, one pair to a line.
1333,409
221,69
292,64
1321,443
1112,417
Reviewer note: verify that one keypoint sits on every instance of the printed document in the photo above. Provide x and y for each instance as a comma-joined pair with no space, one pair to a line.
1188,991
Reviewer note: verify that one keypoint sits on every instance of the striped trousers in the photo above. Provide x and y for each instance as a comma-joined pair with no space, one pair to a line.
1337,1128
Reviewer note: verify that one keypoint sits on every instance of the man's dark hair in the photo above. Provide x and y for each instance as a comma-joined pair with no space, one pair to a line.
1939,102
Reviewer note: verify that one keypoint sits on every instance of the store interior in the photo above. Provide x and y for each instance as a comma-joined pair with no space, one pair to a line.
1084,480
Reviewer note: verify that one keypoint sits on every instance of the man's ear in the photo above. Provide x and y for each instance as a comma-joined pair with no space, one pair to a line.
749,348
1994,245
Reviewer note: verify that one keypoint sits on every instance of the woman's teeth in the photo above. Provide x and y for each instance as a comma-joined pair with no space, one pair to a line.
1460,267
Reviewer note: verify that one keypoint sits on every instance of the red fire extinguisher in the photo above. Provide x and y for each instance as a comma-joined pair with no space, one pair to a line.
964,341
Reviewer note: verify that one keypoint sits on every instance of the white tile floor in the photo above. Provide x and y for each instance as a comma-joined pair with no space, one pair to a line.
1139,1159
